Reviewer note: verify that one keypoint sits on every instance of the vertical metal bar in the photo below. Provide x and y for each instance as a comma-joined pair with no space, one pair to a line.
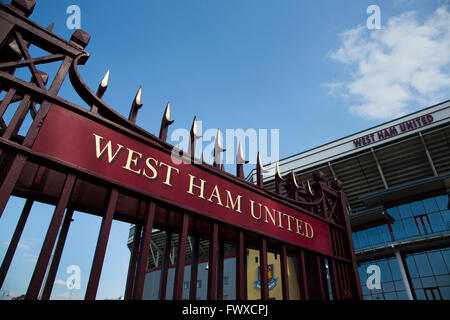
7,100
284,272
334,280
212,267
319,275
240,266
99,255
143,252
427,152
15,240
165,265
131,278
303,285
349,248
263,270
41,266
18,117
181,257
57,255
380,171
45,106
220,270
194,269
10,180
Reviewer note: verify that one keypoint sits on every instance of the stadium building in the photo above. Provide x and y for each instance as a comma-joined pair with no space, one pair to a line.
396,177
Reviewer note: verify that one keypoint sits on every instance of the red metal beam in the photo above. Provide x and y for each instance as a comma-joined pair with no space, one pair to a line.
15,240
303,282
263,270
99,255
57,255
143,253
284,272
49,242
181,257
131,278
240,266
212,264
165,266
220,269
194,269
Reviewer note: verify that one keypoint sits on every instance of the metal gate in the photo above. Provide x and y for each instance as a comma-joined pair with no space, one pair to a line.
31,171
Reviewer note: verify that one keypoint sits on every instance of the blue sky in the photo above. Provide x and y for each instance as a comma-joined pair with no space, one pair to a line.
311,69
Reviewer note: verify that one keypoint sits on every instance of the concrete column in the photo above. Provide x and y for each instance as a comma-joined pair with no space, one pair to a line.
401,266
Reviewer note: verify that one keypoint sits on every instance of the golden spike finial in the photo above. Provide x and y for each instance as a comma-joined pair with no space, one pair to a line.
309,187
165,123
105,79
138,96
193,136
240,159
218,149
135,106
278,173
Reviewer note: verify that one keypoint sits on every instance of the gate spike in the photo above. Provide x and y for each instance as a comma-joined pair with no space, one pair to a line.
165,123
103,85
192,137
278,179
135,106
309,188
240,161
259,171
218,149
50,27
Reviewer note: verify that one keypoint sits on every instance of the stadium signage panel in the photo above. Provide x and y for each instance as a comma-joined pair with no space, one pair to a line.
393,131
91,145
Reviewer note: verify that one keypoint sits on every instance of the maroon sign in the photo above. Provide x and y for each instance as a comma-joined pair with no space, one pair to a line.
73,138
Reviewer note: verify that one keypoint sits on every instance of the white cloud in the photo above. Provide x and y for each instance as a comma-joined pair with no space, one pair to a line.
404,64
20,245
60,282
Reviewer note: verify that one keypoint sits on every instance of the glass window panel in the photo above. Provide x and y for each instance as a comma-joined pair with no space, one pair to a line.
442,202
388,286
368,297
362,236
364,288
384,269
437,263
385,236
422,265
446,219
417,208
395,269
399,285
420,295
446,255
445,292
443,280
430,205
411,265
378,296
436,221
411,227
393,212
390,296
416,283
405,211
355,240
398,229
428,282
373,237
402,295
